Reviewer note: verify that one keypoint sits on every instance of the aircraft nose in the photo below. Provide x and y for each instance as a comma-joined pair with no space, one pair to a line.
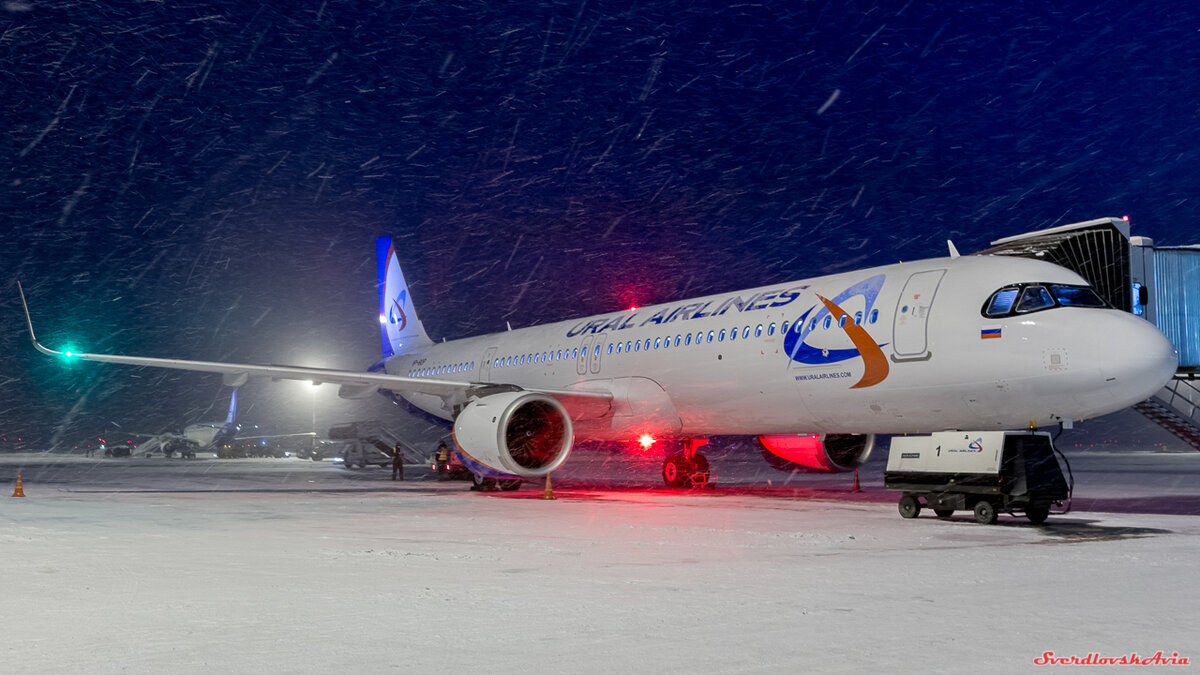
1139,359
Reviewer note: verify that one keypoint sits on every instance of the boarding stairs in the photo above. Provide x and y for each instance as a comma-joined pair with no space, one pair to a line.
1176,408
379,435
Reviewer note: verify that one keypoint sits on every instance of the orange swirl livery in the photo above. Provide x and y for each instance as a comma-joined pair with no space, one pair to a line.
875,364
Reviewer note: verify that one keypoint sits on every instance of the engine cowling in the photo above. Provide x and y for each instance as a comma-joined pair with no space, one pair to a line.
817,452
517,432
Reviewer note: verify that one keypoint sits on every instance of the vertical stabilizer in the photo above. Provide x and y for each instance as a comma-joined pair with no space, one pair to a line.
232,408
400,328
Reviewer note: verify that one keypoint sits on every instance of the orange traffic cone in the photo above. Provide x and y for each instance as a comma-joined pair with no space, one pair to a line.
18,492
549,493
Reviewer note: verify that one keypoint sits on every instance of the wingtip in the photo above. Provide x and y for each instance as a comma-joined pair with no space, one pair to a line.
29,322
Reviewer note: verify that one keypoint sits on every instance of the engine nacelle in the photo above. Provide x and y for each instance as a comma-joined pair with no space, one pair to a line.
819,452
516,432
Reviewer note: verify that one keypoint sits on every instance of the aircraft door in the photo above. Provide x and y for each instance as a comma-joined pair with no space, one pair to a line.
596,351
485,366
910,339
581,362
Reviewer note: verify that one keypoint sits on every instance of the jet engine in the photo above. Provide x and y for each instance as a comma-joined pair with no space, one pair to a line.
817,452
516,432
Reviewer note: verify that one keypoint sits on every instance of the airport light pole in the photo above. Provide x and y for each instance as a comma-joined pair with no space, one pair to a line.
312,440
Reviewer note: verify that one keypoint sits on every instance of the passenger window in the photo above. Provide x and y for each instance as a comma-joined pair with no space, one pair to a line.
721,336
858,318
610,348
783,328
687,340
1034,298
699,338
842,321
647,345
828,321
677,339
711,335
874,315
771,329
637,346
619,347
667,342
733,333
745,332
657,342
758,331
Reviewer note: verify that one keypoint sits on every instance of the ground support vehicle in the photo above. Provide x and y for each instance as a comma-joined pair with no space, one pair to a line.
985,472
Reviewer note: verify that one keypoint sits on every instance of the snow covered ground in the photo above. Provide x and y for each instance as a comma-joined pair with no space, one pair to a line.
152,565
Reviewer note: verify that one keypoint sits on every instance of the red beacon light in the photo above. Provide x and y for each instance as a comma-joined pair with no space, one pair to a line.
646,440
633,308
1125,218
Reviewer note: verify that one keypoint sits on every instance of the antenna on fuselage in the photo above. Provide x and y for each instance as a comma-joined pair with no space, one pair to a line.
953,251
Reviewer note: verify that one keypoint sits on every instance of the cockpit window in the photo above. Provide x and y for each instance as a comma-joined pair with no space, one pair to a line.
1026,298
1033,299
1001,302
1076,296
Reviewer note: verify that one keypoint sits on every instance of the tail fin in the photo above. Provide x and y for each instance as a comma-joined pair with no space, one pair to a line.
232,408
401,329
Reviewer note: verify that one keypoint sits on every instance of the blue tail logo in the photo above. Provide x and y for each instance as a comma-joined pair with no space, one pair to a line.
396,314
400,328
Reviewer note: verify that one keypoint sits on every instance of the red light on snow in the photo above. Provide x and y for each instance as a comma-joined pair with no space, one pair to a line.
646,440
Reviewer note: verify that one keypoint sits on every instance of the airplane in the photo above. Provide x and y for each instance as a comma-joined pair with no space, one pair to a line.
195,437
813,368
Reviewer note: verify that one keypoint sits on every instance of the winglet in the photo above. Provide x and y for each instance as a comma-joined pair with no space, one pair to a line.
29,322
953,251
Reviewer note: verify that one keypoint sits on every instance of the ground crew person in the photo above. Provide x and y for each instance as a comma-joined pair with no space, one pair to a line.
442,461
397,463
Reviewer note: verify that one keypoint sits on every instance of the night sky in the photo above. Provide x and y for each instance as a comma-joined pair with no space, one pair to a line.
206,179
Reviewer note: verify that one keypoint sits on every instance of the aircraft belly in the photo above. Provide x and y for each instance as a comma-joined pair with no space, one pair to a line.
434,405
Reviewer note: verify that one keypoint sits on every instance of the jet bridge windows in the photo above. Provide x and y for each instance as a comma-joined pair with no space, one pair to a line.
1026,298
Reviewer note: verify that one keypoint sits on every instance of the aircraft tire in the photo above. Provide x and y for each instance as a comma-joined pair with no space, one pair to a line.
483,484
676,471
943,513
909,507
510,484
985,512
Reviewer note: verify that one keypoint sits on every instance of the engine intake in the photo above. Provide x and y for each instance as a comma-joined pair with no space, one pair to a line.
818,452
517,432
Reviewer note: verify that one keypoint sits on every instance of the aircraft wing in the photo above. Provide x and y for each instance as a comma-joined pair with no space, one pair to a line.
353,384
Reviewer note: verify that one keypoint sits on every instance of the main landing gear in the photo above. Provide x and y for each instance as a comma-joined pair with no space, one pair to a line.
688,468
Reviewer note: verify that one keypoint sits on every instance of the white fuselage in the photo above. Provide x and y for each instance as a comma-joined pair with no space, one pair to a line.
932,362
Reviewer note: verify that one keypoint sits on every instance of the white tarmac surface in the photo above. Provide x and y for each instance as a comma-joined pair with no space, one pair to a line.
153,565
